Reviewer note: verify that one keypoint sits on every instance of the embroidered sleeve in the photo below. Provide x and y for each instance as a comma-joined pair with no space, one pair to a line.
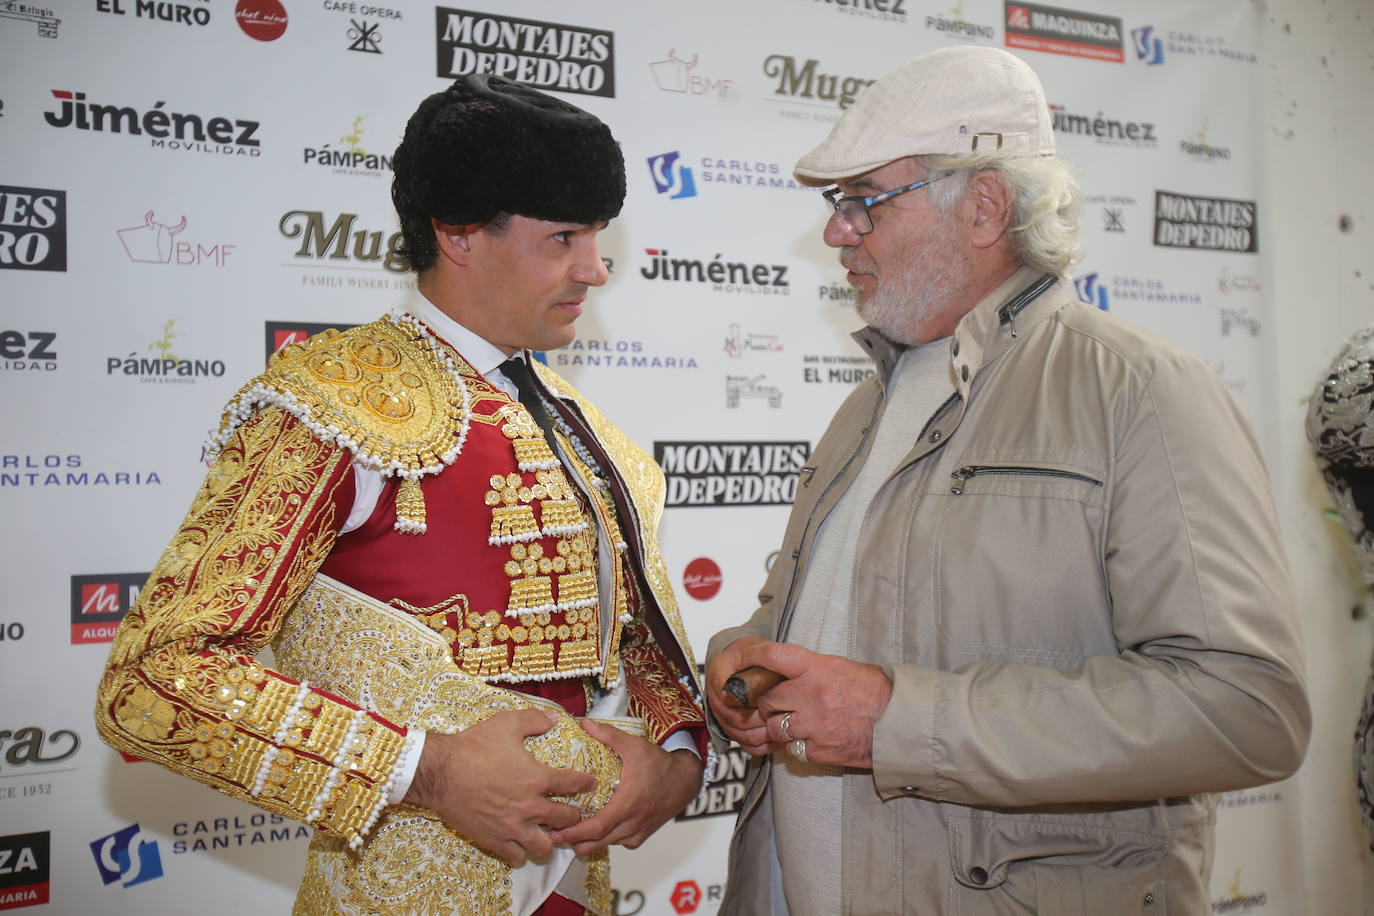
181,686
666,702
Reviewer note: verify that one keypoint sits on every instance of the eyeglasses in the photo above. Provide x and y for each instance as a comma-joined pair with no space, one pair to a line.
854,210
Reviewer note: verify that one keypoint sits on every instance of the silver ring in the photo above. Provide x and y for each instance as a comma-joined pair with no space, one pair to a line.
783,727
797,748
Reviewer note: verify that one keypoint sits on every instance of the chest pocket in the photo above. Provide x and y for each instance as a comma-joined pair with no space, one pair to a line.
1018,561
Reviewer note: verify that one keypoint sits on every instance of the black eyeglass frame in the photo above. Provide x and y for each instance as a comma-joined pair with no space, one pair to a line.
854,210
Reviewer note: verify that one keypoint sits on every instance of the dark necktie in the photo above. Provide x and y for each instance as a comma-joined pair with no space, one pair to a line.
518,372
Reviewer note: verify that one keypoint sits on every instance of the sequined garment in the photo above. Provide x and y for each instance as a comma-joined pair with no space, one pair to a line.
480,537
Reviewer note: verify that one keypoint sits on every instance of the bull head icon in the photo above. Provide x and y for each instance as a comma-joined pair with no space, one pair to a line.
150,243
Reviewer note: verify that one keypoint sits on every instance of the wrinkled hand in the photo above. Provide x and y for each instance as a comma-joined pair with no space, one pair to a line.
487,786
654,786
834,702
745,726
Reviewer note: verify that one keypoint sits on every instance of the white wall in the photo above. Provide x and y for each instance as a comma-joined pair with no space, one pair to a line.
1320,62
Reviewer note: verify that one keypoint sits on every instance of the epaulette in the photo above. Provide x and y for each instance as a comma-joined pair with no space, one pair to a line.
387,391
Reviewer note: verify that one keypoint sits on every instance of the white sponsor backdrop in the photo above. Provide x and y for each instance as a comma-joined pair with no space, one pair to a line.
179,253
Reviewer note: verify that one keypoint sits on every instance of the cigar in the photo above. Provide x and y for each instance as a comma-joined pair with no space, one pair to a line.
745,687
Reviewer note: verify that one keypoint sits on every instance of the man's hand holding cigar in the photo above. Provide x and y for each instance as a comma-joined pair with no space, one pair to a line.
822,710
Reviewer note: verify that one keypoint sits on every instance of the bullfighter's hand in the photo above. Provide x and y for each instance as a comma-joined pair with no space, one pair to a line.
654,786
487,786
834,703
744,725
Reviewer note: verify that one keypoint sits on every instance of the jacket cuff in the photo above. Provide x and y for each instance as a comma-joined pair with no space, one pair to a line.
904,740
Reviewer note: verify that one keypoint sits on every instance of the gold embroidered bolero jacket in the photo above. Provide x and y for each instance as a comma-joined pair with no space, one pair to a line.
182,686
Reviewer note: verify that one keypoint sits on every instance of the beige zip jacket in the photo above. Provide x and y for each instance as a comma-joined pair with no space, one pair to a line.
1075,583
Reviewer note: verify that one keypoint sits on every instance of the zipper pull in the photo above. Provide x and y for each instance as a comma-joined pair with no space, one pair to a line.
961,475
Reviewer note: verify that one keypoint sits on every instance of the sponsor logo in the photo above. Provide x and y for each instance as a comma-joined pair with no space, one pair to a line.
1212,223
724,789
165,129
23,746
47,28
353,158
235,832
811,93
739,343
351,8
724,276
261,20
156,242
1151,290
1092,290
839,293
65,471
164,366
1192,44
189,14
673,74
1107,131
12,631
1149,48
25,862
1198,148
702,579
1033,27
1245,798
739,387
954,25
545,55
686,897
622,900
364,36
1232,284
731,473
282,334
617,353
127,857
99,603
754,173
671,177
1238,320
836,370
890,10
28,351
1236,900
1231,383
33,228
1113,209
342,245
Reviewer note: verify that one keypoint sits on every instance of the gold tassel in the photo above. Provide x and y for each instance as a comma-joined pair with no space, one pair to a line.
410,507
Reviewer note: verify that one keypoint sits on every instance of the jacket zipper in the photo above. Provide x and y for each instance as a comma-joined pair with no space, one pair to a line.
975,470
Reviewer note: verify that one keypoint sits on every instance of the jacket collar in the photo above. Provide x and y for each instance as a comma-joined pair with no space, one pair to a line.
983,334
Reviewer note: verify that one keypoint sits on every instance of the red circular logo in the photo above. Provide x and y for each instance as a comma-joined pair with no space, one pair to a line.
702,578
264,20
687,895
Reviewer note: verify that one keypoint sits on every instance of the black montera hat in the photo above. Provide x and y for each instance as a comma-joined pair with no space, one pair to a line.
486,146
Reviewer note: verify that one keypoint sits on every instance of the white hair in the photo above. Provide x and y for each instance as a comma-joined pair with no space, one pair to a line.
1046,209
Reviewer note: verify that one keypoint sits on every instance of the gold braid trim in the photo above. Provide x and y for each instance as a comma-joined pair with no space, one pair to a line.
181,687
387,391
382,658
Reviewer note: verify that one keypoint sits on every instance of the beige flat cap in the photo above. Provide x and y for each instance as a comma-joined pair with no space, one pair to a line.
952,101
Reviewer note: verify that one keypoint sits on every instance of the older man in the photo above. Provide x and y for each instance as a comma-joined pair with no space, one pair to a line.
1030,605
453,557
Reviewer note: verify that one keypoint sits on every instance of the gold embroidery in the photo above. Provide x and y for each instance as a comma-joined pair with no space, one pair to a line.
403,407
145,714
